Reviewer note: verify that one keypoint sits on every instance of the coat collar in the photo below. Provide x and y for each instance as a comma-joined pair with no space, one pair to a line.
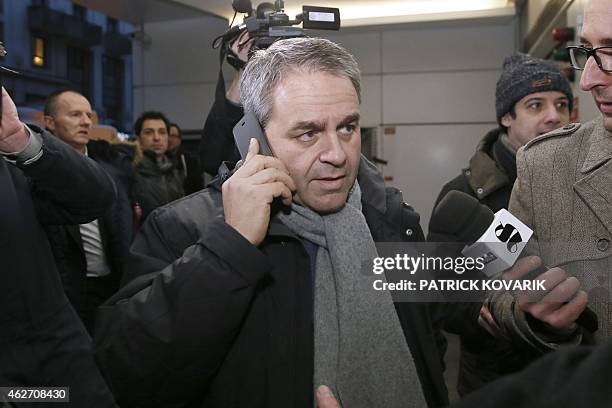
484,175
596,186
600,148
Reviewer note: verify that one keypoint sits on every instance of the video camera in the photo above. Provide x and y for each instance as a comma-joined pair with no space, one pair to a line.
268,23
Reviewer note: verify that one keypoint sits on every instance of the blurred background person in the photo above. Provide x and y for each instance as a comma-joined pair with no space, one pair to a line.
159,180
90,256
187,164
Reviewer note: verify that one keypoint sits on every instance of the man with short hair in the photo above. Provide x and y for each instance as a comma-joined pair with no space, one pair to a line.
532,97
90,256
68,115
159,180
250,292
564,178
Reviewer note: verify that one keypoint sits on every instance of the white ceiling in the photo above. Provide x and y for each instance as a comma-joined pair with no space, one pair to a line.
352,12
375,12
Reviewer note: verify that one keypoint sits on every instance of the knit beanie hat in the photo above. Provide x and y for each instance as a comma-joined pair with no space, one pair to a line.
522,75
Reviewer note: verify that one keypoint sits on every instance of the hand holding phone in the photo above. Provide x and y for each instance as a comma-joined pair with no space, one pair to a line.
249,193
247,128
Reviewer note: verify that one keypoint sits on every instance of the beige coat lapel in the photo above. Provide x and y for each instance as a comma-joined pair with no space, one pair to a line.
595,188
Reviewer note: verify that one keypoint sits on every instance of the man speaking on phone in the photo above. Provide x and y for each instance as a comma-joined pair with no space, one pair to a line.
252,296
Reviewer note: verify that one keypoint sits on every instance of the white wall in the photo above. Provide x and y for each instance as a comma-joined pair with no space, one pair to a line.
177,72
434,82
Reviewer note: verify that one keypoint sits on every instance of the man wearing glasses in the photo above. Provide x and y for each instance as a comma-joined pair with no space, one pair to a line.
564,179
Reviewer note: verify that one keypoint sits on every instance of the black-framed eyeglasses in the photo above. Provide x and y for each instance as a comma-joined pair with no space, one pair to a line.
579,56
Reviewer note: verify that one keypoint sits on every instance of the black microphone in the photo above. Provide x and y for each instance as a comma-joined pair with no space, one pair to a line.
459,218
462,218
498,238
242,6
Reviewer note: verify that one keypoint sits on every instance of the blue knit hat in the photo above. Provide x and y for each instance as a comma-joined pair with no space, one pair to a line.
522,75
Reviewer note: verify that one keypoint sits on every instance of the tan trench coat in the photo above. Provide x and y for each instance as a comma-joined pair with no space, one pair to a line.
564,192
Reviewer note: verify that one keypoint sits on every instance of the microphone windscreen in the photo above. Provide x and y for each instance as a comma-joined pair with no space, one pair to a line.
242,6
263,9
461,216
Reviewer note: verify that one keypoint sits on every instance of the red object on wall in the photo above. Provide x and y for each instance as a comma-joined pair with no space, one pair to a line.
563,34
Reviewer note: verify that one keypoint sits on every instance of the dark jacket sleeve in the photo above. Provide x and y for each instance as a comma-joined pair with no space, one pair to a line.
67,187
194,181
459,183
153,352
217,144
574,377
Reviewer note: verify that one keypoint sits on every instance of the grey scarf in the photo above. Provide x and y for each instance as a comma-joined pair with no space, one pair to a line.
360,349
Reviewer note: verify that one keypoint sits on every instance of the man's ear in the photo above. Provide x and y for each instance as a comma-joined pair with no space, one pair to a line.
49,123
506,120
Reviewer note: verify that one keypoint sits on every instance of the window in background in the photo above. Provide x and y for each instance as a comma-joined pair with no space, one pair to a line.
1,20
79,72
35,99
112,90
79,12
112,25
38,52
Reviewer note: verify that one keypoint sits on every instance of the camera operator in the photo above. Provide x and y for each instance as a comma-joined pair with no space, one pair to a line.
217,143
261,28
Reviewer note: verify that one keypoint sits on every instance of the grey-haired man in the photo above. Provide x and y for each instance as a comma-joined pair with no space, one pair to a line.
237,303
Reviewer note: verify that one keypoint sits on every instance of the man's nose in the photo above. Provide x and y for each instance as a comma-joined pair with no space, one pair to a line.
86,120
553,116
333,151
592,76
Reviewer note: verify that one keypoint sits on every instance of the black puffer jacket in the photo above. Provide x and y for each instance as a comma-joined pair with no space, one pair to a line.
189,170
209,320
157,183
